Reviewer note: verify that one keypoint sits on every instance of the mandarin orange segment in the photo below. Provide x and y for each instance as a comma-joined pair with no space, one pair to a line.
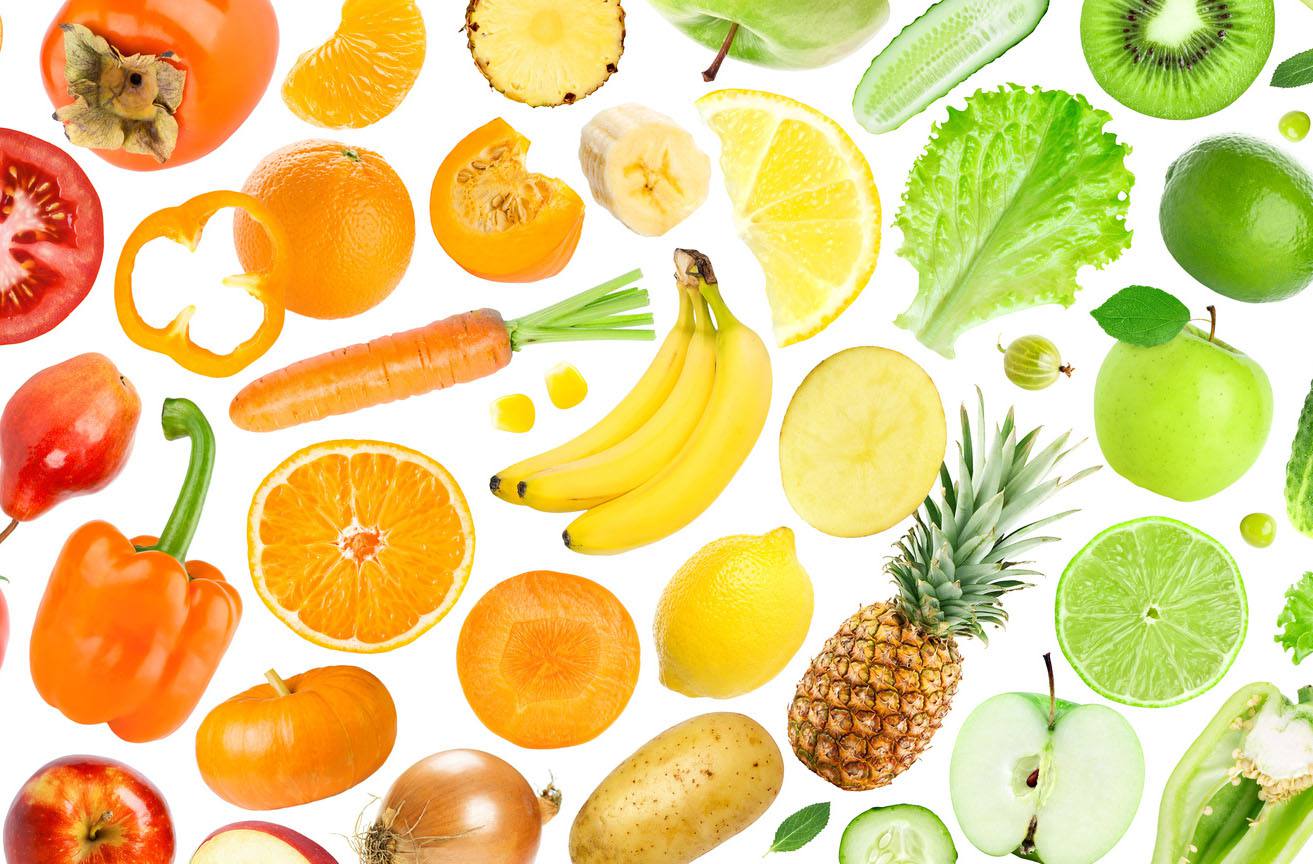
359,545
364,71
548,659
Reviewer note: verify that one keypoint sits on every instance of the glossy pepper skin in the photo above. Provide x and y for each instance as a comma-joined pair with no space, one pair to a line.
184,225
1217,809
129,632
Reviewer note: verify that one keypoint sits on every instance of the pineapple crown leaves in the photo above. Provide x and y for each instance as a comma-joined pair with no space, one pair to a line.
962,552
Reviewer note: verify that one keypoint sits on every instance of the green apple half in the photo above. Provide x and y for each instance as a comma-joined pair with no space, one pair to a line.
784,33
1061,790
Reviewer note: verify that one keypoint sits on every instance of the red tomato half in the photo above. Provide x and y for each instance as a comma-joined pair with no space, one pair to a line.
51,236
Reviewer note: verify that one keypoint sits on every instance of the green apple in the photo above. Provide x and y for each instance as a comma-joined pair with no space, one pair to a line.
1184,419
782,33
1045,779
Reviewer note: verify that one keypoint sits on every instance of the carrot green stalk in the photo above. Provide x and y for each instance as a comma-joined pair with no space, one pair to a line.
461,348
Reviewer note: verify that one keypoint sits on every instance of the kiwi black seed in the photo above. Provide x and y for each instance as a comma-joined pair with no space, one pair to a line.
1177,59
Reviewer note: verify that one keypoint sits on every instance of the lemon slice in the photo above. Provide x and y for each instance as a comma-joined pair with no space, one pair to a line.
804,201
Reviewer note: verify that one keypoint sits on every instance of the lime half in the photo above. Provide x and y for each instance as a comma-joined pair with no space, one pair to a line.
1151,612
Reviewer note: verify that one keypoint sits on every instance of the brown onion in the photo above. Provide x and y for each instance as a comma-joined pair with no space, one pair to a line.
458,807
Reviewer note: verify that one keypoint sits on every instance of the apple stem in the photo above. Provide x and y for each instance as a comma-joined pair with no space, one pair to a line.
105,819
1212,322
1067,369
1053,693
714,68
9,529
276,682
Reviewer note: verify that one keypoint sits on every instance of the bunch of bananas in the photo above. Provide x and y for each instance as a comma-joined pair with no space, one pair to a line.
662,455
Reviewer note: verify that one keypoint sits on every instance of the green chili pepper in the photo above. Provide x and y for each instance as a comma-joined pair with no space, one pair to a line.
1243,792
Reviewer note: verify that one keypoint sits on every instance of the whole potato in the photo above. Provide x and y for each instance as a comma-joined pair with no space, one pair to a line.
681,794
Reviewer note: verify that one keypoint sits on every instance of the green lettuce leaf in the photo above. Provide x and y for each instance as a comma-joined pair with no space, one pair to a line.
1297,619
1013,195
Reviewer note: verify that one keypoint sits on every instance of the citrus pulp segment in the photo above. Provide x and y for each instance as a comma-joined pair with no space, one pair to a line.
1151,612
362,73
804,201
359,545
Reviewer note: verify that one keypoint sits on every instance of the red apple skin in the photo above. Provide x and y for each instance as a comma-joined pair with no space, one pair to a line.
4,628
308,849
88,810
67,431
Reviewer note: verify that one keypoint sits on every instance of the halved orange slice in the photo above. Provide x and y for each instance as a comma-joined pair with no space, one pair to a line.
362,73
359,545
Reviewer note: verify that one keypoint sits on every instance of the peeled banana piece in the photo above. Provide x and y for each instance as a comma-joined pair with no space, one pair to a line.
644,167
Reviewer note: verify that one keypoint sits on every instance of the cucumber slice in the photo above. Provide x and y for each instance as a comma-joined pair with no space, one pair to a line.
901,834
953,40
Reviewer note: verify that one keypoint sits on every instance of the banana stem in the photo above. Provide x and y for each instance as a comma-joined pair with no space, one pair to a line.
693,270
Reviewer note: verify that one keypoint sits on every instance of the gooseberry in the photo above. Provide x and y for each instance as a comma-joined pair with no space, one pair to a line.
1033,362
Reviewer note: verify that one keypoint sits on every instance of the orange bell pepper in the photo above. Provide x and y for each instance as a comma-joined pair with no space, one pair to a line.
184,224
129,632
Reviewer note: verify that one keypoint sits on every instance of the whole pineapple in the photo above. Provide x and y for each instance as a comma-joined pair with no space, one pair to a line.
873,698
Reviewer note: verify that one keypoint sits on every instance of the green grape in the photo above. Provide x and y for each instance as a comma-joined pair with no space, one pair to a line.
1258,529
1033,363
1295,125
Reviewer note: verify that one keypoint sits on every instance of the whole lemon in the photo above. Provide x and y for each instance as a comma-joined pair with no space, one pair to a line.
733,616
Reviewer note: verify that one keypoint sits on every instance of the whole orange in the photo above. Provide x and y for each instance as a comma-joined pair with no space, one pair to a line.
349,222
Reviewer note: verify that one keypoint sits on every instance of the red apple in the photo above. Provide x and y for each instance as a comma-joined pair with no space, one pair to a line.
260,843
83,809
4,627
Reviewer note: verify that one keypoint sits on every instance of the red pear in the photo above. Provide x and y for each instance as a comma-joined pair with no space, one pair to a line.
67,431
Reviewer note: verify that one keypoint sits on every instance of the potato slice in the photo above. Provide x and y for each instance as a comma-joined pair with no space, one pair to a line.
862,442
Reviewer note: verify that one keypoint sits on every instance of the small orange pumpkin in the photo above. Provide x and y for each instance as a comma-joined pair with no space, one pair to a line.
291,742
495,218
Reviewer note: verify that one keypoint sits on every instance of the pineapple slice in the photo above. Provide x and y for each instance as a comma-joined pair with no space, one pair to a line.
546,52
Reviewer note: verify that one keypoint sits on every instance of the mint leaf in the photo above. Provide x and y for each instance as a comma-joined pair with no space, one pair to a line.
1013,195
1295,72
1297,619
801,828
1142,316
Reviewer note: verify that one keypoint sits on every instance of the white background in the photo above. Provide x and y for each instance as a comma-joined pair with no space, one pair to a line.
660,68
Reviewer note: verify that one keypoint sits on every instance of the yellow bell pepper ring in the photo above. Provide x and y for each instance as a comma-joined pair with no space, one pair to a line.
184,224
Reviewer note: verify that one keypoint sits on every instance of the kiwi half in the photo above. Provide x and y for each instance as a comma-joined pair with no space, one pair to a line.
1176,59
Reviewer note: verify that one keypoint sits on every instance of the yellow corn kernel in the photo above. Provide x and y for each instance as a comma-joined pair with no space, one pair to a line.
566,385
513,413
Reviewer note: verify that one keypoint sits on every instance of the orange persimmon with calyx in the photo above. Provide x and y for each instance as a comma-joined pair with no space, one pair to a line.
496,219
548,659
149,84
286,743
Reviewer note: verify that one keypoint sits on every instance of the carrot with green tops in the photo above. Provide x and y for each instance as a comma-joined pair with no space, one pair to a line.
454,350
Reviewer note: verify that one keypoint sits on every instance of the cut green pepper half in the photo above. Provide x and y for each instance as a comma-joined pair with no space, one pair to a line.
1243,792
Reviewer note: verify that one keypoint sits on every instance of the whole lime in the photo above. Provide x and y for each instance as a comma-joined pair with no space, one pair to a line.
1237,214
